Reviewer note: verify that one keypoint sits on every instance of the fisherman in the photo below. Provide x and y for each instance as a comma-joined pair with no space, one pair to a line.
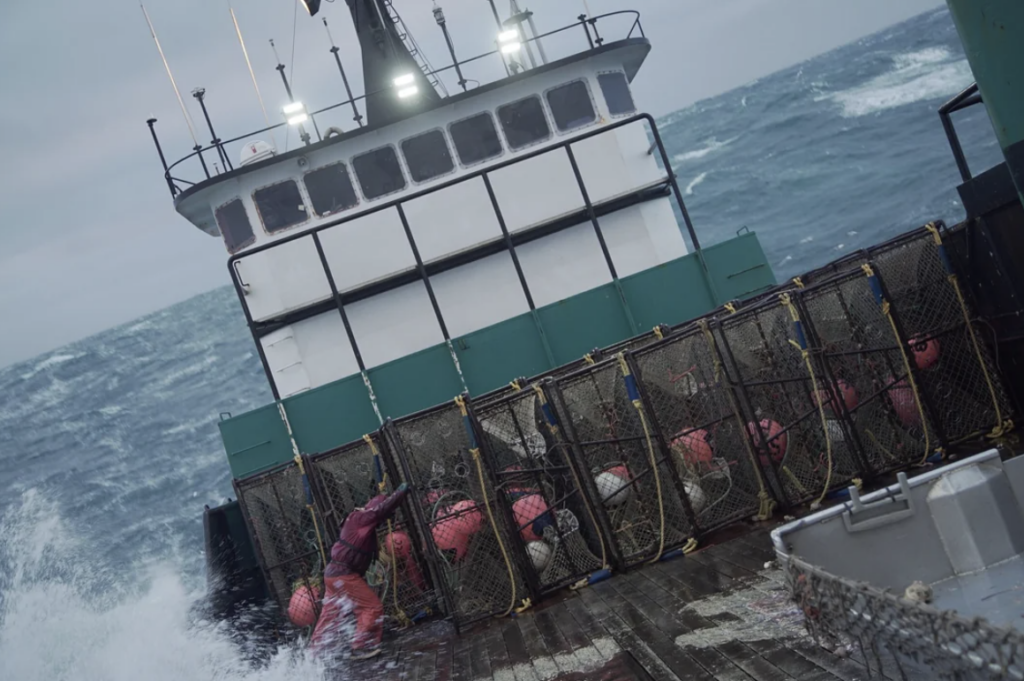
346,586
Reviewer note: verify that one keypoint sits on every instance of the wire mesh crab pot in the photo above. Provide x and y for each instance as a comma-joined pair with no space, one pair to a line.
871,375
782,385
284,529
692,404
345,478
630,473
538,481
467,528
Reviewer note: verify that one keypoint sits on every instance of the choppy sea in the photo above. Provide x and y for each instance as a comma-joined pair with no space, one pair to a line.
109,446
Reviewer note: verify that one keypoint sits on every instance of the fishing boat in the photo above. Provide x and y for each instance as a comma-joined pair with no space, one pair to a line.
495,294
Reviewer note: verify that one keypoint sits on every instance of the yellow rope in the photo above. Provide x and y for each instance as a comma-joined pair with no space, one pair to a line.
730,307
475,452
766,503
638,405
382,487
798,282
1001,427
589,359
658,333
887,311
302,472
579,485
787,302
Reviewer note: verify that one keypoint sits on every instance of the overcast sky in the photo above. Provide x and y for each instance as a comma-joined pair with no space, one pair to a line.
88,234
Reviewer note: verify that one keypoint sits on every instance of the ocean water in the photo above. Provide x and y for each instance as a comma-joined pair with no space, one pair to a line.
109,447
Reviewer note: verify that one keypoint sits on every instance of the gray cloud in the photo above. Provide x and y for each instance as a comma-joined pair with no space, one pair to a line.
88,236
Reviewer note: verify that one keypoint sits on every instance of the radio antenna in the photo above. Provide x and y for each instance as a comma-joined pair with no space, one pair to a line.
184,111
252,74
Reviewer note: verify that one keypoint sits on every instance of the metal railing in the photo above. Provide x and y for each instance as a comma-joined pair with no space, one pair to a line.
969,97
589,25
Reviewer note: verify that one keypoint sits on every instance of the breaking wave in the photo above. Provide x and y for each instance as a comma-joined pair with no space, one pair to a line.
711,145
694,182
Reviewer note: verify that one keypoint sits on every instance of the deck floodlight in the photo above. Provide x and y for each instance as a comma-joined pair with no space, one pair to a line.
406,85
296,113
312,6
404,79
407,92
509,41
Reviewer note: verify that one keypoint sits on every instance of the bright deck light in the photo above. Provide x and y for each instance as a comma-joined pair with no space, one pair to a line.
293,108
296,113
510,48
403,80
408,92
299,118
508,36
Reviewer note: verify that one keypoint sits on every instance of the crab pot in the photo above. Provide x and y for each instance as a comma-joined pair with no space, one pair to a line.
692,404
466,527
871,383
779,396
283,532
629,471
344,478
537,480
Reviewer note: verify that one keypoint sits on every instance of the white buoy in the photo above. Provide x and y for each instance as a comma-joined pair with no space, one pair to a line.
540,554
698,500
608,484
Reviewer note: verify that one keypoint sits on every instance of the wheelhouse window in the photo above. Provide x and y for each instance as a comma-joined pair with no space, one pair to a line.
427,156
571,106
330,189
476,139
234,225
524,122
617,96
280,206
379,172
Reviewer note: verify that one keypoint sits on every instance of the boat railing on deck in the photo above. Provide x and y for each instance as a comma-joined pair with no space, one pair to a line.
589,25
968,98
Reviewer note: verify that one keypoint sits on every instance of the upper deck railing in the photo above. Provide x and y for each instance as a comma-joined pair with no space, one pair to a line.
195,164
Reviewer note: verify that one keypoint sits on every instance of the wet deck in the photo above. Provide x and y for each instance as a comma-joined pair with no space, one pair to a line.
715,615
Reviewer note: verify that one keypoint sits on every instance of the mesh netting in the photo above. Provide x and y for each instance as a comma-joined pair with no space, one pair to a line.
869,375
284,535
900,638
693,406
643,503
473,561
537,481
784,419
343,479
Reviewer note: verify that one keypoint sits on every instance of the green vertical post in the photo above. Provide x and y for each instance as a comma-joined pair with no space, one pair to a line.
992,32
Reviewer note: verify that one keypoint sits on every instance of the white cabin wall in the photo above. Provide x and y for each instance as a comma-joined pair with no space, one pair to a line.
366,249
452,219
394,324
283,279
536,190
310,353
479,294
563,264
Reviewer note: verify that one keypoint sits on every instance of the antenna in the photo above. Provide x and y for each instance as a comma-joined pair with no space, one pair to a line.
181,102
252,74
344,79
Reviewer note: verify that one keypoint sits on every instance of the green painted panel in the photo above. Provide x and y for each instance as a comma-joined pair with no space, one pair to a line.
577,325
739,267
255,441
493,356
331,415
414,382
668,294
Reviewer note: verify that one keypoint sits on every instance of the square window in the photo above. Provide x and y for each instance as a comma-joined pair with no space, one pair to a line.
330,189
427,156
475,139
571,106
379,172
524,122
234,225
280,206
616,93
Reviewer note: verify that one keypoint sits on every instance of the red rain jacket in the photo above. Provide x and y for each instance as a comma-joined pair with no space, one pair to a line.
357,540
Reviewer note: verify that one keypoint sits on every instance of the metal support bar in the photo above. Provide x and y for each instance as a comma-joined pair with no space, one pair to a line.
163,161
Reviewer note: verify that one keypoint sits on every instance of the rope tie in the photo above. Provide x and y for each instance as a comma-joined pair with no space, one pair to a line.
589,359
876,289
474,451
798,282
731,307
766,503
801,345
382,483
1002,427
658,333
307,490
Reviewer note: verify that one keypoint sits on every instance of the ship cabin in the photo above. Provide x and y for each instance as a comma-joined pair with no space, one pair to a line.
453,243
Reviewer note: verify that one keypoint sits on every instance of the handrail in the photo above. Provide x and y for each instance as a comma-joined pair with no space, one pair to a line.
967,98
200,150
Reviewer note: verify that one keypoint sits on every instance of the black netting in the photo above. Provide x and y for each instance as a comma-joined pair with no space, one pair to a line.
536,479
693,406
283,532
643,503
900,638
344,478
473,562
845,320
781,406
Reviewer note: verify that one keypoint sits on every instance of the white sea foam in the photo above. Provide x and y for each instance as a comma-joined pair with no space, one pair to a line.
914,77
710,146
694,182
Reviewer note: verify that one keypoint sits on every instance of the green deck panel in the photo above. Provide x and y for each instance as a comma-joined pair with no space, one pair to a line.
589,320
739,268
255,441
668,294
331,415
415,382
495,355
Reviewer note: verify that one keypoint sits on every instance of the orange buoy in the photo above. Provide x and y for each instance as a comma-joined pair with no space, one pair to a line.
303,608
926,352
694,448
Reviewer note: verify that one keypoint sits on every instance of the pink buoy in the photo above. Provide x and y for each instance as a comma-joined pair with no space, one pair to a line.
531,514
846,391
903,403
397,544
469,515
926,353
302,608
778,444
694,448
454,530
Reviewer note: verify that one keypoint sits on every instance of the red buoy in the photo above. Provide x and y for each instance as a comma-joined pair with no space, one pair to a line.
694,448
302,608
778,444
926,353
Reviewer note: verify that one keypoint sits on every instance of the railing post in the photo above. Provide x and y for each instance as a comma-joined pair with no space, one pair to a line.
163,161
586,29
